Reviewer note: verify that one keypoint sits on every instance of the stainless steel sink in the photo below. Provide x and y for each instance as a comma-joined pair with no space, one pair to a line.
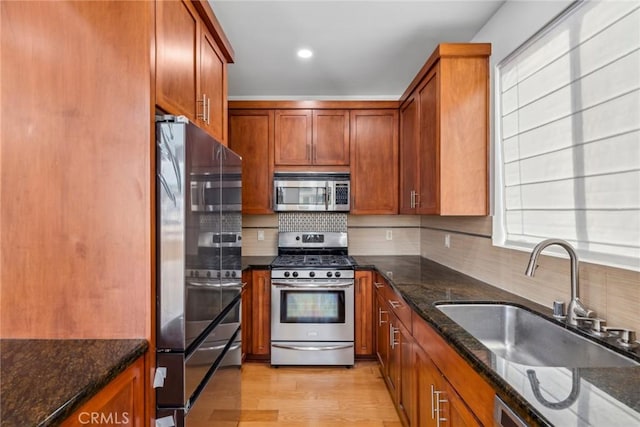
520,336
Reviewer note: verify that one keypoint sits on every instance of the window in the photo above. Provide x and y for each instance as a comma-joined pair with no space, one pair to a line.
568,136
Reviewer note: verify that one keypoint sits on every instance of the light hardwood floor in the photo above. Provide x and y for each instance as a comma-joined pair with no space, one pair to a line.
316,396
312,396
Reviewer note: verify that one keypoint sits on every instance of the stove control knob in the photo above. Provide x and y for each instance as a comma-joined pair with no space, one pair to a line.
295,274
338,274
197,274
208,274
329,274
233,274
218,274
312,274
226,274
286,274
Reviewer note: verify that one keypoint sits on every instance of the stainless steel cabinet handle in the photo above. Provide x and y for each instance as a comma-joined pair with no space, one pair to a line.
378,285
202,116
208,111
395,304
438,408
413,198
433,404
380,313
392,336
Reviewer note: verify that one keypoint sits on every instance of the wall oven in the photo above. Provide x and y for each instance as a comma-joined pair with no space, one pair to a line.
311,192
312,301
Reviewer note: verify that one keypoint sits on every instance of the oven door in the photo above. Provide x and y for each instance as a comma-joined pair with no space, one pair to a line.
312,310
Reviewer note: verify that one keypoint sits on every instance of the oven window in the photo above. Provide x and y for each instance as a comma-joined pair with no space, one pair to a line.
312,307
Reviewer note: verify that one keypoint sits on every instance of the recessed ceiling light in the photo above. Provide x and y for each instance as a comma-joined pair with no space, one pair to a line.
305,53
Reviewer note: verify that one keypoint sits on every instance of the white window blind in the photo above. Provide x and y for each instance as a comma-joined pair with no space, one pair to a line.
568,134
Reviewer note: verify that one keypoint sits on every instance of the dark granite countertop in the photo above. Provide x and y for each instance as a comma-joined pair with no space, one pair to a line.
43,381
257,262
610,396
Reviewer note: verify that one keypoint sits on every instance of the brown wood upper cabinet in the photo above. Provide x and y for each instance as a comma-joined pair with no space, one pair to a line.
444,134
251,136
311,138
374,162
191,73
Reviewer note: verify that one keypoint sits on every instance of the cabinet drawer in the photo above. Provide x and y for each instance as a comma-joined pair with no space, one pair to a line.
396,303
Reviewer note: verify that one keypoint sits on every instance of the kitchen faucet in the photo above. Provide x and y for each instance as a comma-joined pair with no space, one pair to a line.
576,311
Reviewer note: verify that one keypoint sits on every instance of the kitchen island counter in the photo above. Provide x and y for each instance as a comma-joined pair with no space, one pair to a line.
607,396
44,381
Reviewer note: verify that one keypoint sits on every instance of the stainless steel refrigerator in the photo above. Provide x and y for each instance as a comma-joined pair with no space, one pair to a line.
199,240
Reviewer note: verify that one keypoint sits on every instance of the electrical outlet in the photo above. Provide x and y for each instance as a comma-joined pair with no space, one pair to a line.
389,235
260,234
447,240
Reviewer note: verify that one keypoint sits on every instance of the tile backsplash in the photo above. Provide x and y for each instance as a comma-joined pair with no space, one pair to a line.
312,221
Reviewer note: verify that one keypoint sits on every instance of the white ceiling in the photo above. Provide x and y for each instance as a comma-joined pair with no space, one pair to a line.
362,49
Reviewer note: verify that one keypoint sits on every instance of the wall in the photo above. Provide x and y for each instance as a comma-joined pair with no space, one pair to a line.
367,235
613,293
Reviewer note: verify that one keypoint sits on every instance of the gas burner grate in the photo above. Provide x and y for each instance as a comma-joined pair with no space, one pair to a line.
331,261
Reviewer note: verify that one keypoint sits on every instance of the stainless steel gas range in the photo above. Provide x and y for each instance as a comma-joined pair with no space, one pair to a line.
312,298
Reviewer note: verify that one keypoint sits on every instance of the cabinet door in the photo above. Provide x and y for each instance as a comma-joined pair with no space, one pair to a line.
395,361
261,305
247,313
382,333
251,136
453,410
177,27
427,380
374,161
409,153
293,137
212,88
406,393
364,313
429,166
330,137
121,402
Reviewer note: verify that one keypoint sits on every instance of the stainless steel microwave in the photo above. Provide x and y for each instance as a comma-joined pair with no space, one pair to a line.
311,192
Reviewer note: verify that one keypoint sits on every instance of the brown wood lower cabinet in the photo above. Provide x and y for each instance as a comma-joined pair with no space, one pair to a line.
121,402
426,378
364,313
259,330
437,403
394,349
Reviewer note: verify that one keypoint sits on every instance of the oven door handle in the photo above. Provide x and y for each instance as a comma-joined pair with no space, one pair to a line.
313,348
311,285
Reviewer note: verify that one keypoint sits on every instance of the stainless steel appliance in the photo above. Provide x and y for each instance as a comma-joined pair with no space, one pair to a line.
211,192
198,275
312,300
311,192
